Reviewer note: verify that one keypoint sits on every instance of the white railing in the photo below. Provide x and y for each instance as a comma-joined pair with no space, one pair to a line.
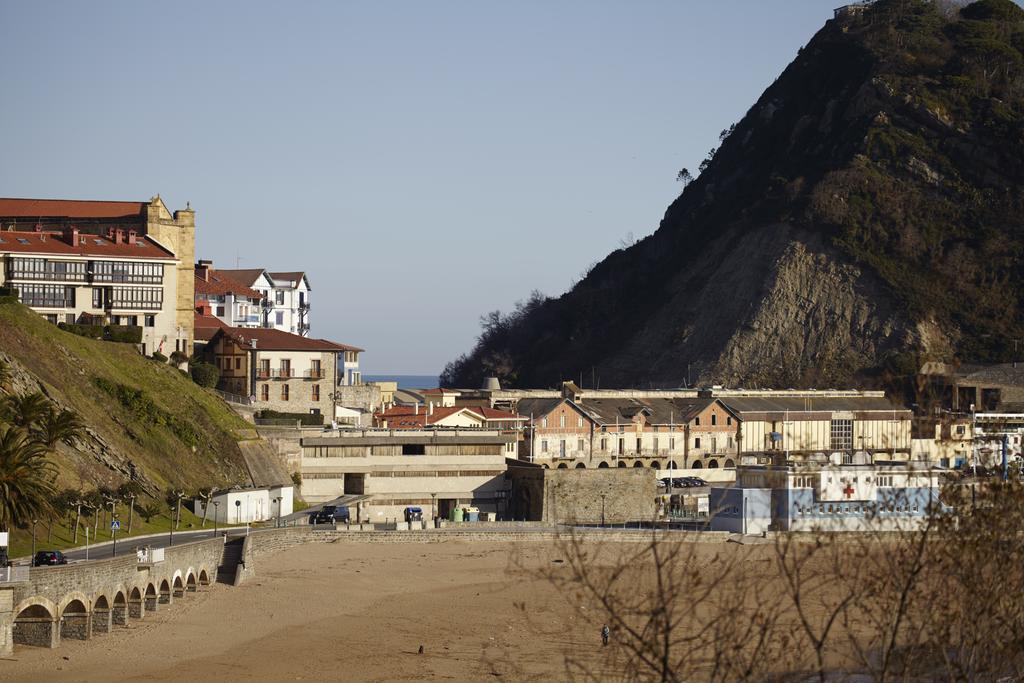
234,398
14,573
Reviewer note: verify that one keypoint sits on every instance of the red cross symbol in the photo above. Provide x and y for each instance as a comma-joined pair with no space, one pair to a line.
848,491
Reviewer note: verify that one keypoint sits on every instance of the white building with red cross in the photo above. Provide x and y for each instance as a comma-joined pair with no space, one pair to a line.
826,497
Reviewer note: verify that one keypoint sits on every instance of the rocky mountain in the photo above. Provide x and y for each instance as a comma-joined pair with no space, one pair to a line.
866,213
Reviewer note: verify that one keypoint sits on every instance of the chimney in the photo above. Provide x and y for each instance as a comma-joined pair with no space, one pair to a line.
71,235
39,227
132,235
110,234
431,408
415,408
119,236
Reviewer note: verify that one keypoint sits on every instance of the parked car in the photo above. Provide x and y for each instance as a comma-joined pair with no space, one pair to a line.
45,558
330,514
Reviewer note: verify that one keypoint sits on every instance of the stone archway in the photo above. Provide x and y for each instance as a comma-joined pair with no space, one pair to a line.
178,588
190,583
204,578
621,464
638,464
151,598
165,592
580,466
655,465
672,465
36,625
74,621
713,464
562,466
602,465
119,612
102,616
695,465
730,463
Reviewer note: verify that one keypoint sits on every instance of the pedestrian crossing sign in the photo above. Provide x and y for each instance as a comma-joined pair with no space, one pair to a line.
115,525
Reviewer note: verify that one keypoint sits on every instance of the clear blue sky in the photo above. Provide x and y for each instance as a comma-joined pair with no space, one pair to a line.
423,162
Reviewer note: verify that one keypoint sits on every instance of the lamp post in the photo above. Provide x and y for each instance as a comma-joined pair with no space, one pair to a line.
216,511
278,501
34,522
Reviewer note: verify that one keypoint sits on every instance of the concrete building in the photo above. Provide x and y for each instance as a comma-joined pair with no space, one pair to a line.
285,298
825,497
978,388
239,506
175,234
119,278
280,371
435,470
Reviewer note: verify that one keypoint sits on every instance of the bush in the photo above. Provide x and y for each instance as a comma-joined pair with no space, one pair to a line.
308,419
159,356
179,357
205,374
144,407
88,331
8,295
128,334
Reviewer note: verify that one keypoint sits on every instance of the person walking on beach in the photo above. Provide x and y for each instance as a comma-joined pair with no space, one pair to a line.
605,633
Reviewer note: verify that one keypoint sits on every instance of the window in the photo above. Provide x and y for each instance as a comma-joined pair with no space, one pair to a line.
130,272
279,317
579,445
728,420
149,320
604,444
561,420
672,443
284,392
97,297
44,269
279,300
264,392
136,298
714,419
655,444
639,445
47,296
696,421
696,442
414,449
842,435
69,318
314,368
544,446
220,312
316,392
238,363
543,422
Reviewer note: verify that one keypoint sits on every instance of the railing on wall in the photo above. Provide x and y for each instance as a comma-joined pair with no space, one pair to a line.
234,398
14,574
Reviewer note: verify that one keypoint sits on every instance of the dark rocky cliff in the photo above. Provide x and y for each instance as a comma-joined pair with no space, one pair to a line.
867,212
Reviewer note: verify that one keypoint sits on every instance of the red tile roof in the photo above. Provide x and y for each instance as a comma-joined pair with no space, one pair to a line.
246,276
69,208
294,276
206,326
278,340
219,284
54,244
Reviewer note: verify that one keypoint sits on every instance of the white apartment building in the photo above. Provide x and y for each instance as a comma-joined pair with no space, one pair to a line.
284,295
220,296
118,278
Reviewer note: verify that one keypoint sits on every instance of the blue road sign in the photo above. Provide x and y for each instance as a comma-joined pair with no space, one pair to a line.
115,525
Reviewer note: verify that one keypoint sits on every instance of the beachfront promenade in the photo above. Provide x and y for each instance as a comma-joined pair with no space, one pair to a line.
85,599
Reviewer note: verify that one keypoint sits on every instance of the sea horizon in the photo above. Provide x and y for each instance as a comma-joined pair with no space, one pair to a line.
406,381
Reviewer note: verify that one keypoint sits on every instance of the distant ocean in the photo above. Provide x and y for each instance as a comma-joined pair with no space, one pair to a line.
405,381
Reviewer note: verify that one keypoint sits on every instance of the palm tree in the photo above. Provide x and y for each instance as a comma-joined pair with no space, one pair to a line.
26,411
54,427
149,511
26,479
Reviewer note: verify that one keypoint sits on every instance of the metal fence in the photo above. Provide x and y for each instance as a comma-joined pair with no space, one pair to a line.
234,398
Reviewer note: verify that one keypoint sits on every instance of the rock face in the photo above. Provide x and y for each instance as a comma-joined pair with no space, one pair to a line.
865,213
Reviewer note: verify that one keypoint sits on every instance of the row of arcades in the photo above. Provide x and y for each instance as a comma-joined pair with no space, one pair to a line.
40,622
695,464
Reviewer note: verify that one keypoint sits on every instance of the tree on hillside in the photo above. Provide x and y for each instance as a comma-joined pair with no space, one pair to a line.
93,502
206,494
128,492
26,411
149,511
56,427
26,478
685,177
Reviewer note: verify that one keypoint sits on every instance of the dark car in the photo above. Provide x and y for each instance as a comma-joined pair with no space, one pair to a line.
330,514
45,558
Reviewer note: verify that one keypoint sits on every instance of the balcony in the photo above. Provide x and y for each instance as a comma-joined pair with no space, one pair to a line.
314,374
247,320
274,373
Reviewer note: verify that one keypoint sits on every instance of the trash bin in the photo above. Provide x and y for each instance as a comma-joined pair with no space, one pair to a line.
472,514
457,514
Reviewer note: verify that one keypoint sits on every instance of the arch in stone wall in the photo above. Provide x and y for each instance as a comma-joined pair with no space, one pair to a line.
672,465
178,587
695,465
655,465
562,466
35,623
151,598
165,592
730,463
101,602
101,614
71,597
638,464
621,464
602,465
580,466
712,464
204,577
119,610
178,574
190,581
75,618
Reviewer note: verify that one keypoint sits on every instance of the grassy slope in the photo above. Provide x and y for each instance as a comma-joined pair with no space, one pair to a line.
68,365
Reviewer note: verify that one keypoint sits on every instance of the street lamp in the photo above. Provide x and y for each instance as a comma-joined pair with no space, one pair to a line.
278,501
34,522
216,513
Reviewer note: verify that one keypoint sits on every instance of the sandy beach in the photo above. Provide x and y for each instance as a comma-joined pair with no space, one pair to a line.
355,612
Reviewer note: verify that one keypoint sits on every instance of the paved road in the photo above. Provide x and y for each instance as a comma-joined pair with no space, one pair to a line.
126,546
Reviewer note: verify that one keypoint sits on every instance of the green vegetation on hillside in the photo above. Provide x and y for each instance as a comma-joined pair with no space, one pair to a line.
894,141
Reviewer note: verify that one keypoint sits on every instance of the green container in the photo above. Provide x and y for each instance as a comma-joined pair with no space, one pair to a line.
457,515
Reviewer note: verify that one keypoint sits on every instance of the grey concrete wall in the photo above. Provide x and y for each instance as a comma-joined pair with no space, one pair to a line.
593,496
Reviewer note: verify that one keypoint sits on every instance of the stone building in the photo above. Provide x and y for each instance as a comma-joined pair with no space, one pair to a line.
435,470
174,233
280,371
582,496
